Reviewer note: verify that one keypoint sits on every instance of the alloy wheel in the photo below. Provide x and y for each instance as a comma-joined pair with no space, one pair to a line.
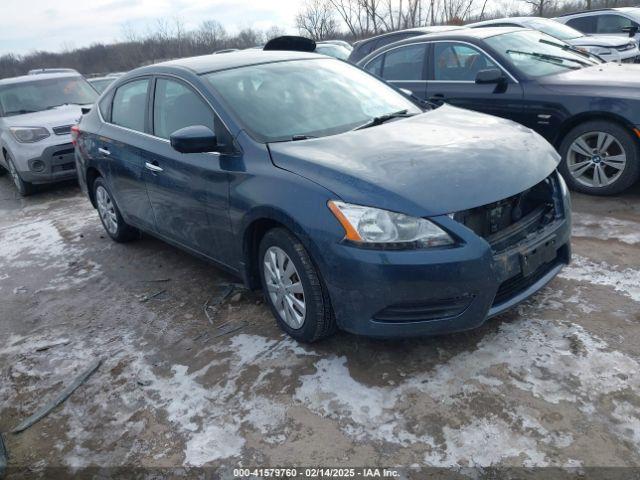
284,287
107,210
596,159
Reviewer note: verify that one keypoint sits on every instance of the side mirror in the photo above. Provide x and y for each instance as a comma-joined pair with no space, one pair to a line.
631,31
194,139
490,75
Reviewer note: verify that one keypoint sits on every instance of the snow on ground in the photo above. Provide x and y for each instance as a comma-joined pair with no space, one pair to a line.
623,280
605,228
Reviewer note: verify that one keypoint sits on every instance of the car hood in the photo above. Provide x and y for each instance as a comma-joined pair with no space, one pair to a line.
608,75
438,162
56,117
600,41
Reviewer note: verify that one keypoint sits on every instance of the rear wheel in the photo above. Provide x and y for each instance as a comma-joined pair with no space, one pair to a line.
600,158
293,288
110,216
24,188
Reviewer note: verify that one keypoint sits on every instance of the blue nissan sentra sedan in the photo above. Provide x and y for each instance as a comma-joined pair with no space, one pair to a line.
348,204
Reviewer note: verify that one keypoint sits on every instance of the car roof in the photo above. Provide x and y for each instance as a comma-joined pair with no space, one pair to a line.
467,33
424,30
506,20
612,9
213,63
37,78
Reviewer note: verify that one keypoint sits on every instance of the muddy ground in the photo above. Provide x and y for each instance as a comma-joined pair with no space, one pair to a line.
555,382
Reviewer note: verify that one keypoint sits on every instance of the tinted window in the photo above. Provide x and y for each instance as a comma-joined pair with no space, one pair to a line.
177,106
457,62
612,23
129,105
405,63
394,38
584,24
320,97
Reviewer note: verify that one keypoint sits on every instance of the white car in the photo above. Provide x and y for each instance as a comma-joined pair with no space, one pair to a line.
610,48
623,22
36,116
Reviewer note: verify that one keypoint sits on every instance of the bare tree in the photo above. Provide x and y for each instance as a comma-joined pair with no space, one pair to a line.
539,7
317,20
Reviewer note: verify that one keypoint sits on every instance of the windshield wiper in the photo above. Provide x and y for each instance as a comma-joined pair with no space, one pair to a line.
567,47
554,59
384,118
295,138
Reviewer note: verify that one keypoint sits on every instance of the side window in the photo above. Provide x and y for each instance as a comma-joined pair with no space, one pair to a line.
375,65
105,107
176,106
129,105
367,48
583,24
457,62
612,23
405,63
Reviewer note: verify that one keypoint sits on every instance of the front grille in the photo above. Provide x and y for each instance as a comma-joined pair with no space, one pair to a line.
506,222
63,130
435,310
63,167
59,153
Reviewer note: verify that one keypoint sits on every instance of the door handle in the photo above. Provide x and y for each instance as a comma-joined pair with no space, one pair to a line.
152,166
104,151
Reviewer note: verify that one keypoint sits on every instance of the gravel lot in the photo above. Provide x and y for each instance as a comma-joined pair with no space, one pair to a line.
555,382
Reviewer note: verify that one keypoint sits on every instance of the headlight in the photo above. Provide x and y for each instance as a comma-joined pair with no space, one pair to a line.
29,134
375,227
599,50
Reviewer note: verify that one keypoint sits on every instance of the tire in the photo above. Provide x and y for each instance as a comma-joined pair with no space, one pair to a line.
588,168
110,215
24,188
303,282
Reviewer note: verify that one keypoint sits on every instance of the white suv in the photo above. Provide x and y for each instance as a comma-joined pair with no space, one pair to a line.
622,21
36,116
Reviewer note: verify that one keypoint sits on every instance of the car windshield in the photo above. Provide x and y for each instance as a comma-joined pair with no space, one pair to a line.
337,51
537,54
35,96
555,29
101,84
305,98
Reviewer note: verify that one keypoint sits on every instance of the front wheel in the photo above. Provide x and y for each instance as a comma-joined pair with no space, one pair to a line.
24,188
293,288
600,158
110,216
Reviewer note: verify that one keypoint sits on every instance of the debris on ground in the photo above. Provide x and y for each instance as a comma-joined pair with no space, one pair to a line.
19,290
211,306
59,343
146,298
230,329
66,393
4,457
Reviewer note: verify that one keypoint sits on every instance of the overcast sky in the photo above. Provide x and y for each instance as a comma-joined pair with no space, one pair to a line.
53,25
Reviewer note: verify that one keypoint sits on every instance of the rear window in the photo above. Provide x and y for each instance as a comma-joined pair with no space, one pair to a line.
584,24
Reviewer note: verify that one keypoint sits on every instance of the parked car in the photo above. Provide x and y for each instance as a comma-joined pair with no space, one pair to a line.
610,48
364,47
351,206
342,43
101,83
333,50
225,50
41,71
622,21
36,115
590,111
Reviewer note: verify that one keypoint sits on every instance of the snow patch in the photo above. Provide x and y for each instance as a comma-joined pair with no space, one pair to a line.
625,281
605,228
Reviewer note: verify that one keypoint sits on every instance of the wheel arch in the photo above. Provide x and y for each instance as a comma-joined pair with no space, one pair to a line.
91,174
255,226
584,117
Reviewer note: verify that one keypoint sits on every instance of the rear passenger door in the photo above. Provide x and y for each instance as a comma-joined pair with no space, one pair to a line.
189,193
404,66
613,24
121,146
453,68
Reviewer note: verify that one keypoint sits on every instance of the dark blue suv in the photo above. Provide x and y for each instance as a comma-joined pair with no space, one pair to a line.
345,202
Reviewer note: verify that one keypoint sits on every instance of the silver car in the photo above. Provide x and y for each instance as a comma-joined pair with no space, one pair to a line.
36,116
623,22
610,48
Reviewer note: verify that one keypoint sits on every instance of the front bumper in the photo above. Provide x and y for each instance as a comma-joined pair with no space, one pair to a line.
428,292
55,163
